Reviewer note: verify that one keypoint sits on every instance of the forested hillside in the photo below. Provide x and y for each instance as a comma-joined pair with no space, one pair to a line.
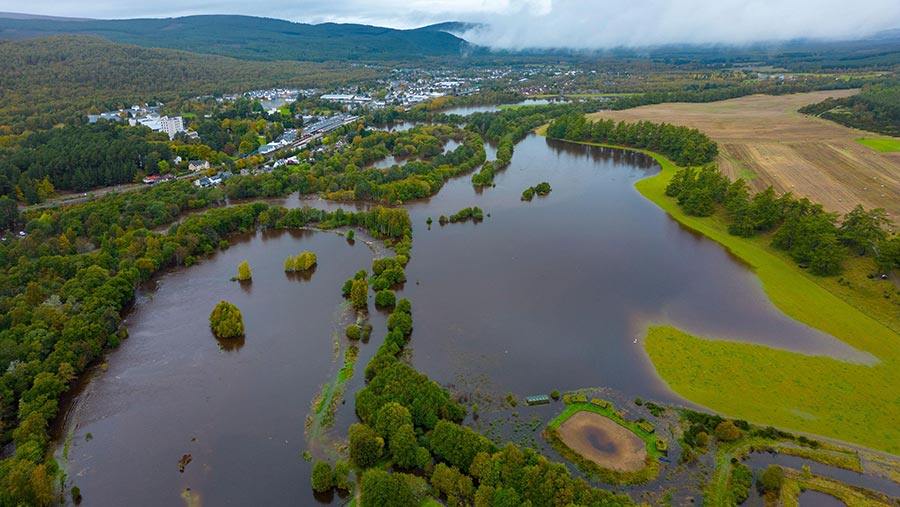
876,108
253,38
57,79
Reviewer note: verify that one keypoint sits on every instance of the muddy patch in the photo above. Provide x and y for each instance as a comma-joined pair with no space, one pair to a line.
604,442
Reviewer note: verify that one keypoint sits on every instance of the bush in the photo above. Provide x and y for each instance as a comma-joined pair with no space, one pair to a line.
400,321
726,431
359,293
771,479
385,298
353,332
321,477
350,236
554,394
226,321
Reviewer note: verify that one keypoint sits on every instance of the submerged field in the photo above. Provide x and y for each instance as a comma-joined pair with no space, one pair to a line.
766,141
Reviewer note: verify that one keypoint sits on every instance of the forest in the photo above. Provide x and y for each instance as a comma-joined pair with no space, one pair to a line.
56,80
876,109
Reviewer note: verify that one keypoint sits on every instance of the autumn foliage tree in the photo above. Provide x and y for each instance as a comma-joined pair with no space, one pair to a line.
226,321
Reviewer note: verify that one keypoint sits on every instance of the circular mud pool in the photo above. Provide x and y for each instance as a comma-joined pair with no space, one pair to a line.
604,442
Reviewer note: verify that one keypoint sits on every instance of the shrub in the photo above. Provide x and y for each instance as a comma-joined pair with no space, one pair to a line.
638,402
726,431
350,236
226,321
554,394
359,293
353,332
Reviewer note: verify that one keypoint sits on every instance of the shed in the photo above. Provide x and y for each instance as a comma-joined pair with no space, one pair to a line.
540,399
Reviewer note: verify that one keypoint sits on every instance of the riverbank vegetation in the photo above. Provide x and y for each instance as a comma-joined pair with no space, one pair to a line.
685,146
472,213
226,321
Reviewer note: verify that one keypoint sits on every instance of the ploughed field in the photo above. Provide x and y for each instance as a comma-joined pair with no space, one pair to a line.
765,140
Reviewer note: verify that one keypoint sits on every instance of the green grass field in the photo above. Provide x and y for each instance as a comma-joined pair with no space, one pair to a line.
882,144
849,402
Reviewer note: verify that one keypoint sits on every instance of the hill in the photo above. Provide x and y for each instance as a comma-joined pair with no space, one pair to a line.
54,79
253,38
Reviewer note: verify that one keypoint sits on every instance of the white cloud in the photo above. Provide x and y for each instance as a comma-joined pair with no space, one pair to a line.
542,23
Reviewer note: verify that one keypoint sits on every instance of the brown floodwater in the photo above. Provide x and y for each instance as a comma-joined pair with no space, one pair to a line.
541,295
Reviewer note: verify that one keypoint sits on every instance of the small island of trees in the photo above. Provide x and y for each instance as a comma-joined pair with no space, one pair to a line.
542,188
302,262
226,321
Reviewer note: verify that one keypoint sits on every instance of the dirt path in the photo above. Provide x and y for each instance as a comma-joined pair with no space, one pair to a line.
765,140
604,442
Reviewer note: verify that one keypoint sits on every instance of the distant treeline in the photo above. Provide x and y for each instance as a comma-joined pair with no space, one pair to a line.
686,146
799,227
876,109
714,93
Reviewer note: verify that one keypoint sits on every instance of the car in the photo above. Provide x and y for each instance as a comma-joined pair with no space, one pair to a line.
22,234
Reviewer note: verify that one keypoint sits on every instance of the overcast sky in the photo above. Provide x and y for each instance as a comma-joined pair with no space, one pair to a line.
540,23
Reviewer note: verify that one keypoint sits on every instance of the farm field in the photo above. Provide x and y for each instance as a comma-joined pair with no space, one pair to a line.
766,141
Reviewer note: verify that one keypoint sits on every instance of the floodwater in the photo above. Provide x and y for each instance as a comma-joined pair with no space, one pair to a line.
541,295
759,461
811,498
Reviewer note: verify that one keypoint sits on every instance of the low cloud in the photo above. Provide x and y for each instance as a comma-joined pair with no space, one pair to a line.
599,24
519,24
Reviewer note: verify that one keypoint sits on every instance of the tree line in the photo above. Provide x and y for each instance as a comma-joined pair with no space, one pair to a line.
876,109
813,237
685,146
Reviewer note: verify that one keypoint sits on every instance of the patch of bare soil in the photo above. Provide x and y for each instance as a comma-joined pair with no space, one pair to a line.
604,442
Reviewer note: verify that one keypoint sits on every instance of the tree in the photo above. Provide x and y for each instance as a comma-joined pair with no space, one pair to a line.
322,479
305,261
244,272
366,446
400,321
390,418
341,476
726,431
359,293
385,298
9,213
226,321
404,446
771,479
863,229
381,489
290,264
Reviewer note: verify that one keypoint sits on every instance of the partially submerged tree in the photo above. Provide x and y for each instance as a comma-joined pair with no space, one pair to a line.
226,321
244,272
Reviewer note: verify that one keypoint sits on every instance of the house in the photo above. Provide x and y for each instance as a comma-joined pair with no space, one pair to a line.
203,182
150,180
198,165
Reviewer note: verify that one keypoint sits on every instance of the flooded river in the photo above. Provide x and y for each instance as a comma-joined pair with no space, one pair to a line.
541,295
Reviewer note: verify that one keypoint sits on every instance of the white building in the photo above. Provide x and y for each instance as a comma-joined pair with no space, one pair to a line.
172,125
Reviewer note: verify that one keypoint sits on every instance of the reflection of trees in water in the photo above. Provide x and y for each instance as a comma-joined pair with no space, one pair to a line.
602,154
302,276
231,344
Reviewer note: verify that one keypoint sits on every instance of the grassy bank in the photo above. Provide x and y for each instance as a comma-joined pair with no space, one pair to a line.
849,402
609,476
